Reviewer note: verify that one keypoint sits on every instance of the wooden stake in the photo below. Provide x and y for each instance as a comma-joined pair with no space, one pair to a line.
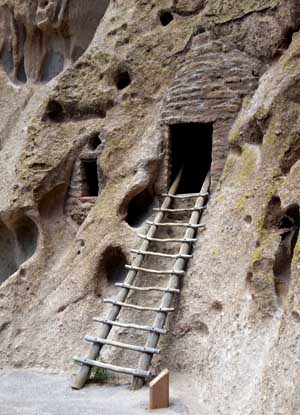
159,391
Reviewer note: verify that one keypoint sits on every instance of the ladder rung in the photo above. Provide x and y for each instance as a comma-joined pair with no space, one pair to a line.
176,224
113,368
154,271
137,307
193,209
175,256
130,326
94,339
135,288
187,240
185,195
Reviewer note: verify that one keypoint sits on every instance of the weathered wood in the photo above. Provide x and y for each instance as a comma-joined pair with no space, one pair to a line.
174,282
142,349
84,371
179,209
133,287
187,240
173,256
185,195
119,369
176,224
137,307
159,391
130,326
154,271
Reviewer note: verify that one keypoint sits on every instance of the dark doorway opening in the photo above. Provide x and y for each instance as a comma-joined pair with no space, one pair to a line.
114,264
90,178
139,208
191,149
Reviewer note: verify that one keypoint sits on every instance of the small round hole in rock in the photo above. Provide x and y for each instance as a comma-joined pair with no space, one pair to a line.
94,142
139,208
165,17
54,111
248,219
217,305
122,79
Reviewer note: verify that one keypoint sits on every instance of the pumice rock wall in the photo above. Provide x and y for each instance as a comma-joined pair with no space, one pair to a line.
84,156
42,37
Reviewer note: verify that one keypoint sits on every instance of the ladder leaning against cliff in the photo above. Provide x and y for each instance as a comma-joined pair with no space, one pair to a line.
141,373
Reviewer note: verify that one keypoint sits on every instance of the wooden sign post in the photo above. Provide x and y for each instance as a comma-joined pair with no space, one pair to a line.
159,391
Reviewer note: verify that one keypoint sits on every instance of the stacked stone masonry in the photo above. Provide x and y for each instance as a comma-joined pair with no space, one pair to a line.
79,202
209,87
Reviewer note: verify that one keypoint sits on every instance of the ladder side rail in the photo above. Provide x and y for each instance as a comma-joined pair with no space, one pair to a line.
174,282
85,370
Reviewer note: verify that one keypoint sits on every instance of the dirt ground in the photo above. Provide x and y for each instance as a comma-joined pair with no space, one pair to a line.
38,393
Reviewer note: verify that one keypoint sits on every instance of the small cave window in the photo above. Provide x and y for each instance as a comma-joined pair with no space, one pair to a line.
54,111
114,262
139,208
191,150
90,180
94,142
122,79
165,17
289,225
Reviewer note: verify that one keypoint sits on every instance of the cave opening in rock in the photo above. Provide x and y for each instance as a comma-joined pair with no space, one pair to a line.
54,111
94,142
289,225
139,208
165,17
90,180
8,264
21,73
122,79
18,243
191,149
26,233
114,264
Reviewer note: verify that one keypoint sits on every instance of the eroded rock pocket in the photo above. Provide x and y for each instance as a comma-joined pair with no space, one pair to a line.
18,243
38,39
74,111
140,208
282,269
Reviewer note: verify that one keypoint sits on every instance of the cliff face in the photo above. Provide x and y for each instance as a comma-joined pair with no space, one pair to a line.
85,134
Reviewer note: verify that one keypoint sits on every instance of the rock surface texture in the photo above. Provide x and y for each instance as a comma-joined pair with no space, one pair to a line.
88,98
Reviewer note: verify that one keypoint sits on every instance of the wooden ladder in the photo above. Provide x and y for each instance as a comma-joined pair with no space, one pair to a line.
155,330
